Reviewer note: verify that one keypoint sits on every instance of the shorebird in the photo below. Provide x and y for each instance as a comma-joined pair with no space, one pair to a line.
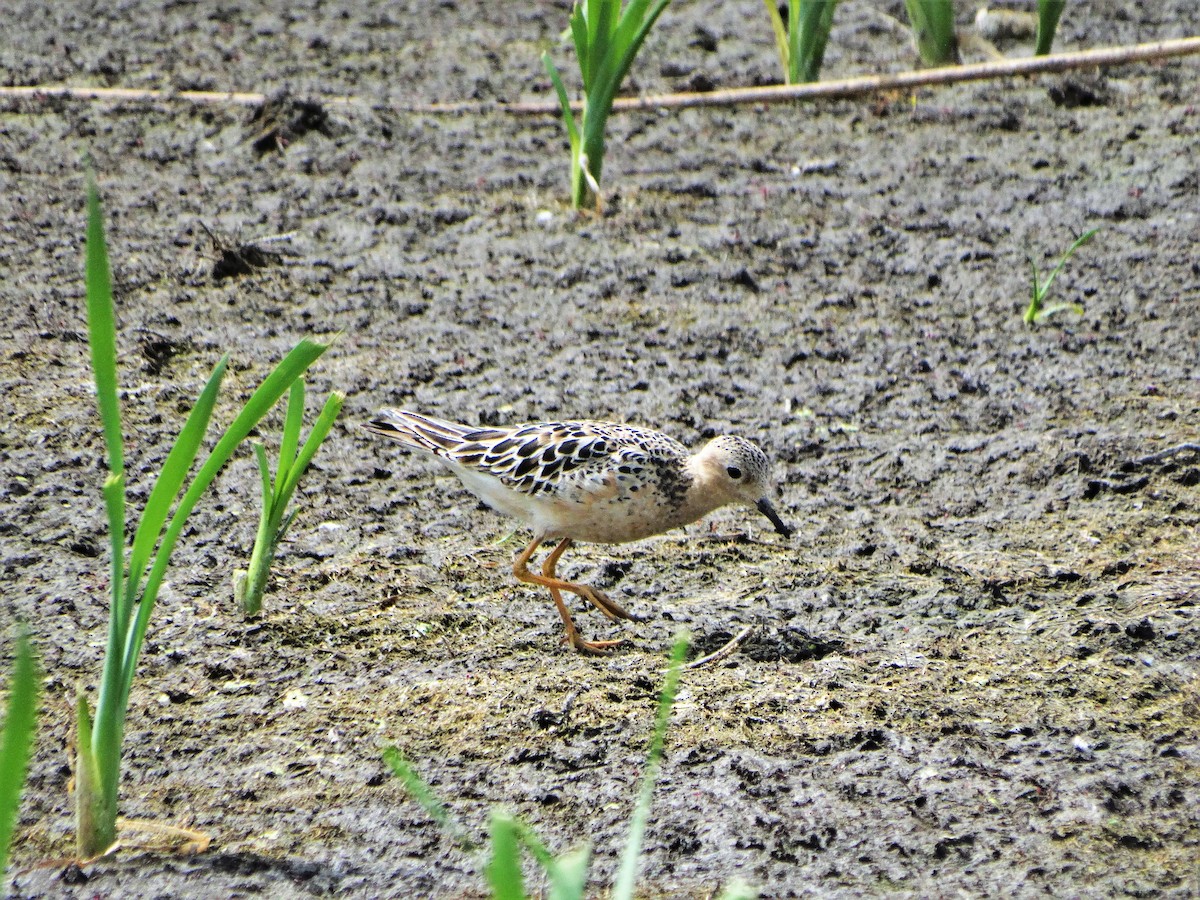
588,481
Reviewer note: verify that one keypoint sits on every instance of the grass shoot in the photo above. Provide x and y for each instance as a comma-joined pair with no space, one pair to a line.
1048,14
137,574
420,790
627,873
1039,290
16,741
607,38
567,873
801,41
249,584
933,27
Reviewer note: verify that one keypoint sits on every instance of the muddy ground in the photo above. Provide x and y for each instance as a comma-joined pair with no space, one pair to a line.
974,670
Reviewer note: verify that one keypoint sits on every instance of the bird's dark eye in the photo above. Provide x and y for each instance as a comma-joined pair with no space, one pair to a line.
734,472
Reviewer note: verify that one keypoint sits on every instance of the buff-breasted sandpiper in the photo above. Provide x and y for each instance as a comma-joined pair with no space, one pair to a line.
588,481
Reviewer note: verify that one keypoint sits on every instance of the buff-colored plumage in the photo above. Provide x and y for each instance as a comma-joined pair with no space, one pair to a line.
588,481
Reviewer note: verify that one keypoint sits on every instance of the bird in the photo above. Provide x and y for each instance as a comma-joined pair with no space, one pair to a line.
596,482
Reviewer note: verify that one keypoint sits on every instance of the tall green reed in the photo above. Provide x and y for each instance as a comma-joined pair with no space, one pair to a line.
567,873
607,38
1048,14
933,27
801,41
137,572
16,741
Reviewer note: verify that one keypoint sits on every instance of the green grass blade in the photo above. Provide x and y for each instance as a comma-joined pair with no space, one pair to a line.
113,492
170,479
1079,242
1035,293
316,437
626,28
110,709
285,525
268,393
16,741
102,331
616,66
602,17
292,420
424,795
504,867
95,805
612,71
607,39
102,340
627,873
814,22
568,874
1048,14
568,118
249,584
534,845
781,36
630,32
117,676
109,729
1048,311
564,101
933,26
95,798
579,35
795,31
1040,290
275,519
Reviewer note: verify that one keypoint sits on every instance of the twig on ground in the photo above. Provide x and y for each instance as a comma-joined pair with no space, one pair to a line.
782,93
719,655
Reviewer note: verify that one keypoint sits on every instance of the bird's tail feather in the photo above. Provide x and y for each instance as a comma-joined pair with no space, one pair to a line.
420,432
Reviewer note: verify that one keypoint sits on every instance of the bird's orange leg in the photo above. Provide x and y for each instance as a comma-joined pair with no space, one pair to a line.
573,636
556,586
597,598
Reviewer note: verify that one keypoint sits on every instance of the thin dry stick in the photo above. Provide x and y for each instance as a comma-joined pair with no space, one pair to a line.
867,84
824,90
733,644
146,95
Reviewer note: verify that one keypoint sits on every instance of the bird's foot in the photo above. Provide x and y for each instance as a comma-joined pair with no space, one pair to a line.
596,648
606,604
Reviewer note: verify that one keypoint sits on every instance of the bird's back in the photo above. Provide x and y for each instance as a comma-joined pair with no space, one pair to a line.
594,481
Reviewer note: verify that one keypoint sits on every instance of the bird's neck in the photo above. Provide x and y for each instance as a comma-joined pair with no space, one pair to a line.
701,498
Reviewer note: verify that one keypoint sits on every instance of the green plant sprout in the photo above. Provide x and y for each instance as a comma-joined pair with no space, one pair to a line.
801,42
249,584
424,795
567,873
933,27
16,741
137,575
627,872
1039,290
607,38
1048,14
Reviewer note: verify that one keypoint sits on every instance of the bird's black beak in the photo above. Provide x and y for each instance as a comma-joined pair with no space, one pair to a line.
765,507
